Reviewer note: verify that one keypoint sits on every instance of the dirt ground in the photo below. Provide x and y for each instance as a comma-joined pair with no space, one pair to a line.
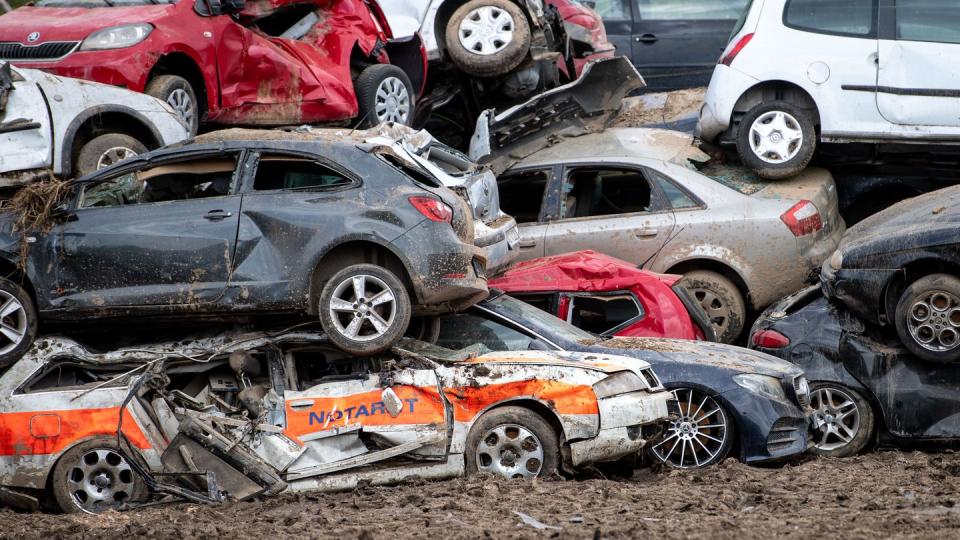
886,494
662,108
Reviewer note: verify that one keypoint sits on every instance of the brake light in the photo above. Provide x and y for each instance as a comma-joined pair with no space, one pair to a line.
732,55
802,218
432,209
770,339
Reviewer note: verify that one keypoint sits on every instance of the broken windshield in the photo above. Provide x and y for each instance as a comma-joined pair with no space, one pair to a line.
538,319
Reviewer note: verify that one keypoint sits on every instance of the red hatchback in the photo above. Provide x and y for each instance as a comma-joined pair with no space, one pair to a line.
266,63
607,296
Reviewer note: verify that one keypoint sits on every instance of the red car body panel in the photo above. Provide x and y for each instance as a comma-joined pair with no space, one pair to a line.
575,14
591,272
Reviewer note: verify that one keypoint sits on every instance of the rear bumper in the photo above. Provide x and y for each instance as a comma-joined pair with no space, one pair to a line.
622,419
716,115
500,244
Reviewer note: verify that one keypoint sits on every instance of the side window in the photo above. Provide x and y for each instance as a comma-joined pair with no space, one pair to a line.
521,194
288,172
61,375
603,314
928,20
601,192
855,18
543,302
184,180
703,10
613,10
463,330
677,197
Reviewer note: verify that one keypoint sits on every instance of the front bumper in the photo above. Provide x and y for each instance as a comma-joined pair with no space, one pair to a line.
127,68
770,430
622,419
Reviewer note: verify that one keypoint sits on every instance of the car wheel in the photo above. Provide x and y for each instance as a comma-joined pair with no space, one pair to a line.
928,318
93,477
843,420
722,301
106,150
512,442
364,309
776,140
488,38
384,94
179,94
701,436
18,322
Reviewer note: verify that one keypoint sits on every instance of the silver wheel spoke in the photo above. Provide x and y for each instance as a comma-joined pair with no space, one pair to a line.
338,304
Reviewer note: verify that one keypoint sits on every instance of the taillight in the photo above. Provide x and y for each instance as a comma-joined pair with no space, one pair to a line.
770,339
732,55
433,209
802,218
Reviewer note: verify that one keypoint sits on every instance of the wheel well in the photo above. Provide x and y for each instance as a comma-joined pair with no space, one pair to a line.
539,408
719,268
446,11
356,252
183,66
12,272
112,122
776,91
911,273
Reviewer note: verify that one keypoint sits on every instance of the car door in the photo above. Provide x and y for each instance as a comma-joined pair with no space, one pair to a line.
676,43
617,18
918,39
610,208
157,233
530,196
25,124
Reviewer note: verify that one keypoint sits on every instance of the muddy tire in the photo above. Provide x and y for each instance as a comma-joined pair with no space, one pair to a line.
385,94
722,301
928,318
512,442
776,140
702,436
106,150
364,309
846,420
179,94
488,38
93,477
18,322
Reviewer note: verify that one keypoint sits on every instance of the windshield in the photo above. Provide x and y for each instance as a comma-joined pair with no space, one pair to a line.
101,3
537,318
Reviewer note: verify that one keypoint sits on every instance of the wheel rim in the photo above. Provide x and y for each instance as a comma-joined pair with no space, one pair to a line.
511,451
776,137
698,436
717,309
836,418
13,322
486,30
114,155
100,479
393,101
934,321
183,104
363,308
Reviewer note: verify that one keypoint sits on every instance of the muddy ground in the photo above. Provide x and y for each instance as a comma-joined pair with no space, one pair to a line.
877,495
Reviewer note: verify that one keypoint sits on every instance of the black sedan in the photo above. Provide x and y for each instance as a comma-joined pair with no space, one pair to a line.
730,398
246,222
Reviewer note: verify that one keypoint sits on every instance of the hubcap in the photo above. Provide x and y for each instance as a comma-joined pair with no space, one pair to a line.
180,100
13,322
101,479
511,451
486,30
393,101
717,310
697,437
776,137
114,155
363,308
934,321
836,418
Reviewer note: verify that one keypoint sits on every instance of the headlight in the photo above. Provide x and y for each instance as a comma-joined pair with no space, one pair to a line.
619,383
836,261
116,37
761,384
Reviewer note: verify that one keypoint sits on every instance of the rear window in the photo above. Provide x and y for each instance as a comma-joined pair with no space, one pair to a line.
853,18
735,178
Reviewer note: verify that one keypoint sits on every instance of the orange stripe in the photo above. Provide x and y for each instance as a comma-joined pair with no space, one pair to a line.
564,398
18,439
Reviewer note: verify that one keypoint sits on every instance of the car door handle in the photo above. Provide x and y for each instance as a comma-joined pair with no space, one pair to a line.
217,215
527,243
645,232
301,404
647,38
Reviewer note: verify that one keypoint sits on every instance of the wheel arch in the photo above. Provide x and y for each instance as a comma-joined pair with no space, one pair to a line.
534,405
102,119
908,274
11,271
719,267
183,65
775,90
358,251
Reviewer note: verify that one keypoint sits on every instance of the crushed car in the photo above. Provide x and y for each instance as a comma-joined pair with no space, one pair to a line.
62,126
234,416
266,63
607,296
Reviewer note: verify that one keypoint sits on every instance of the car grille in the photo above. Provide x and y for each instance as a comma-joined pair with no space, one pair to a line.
785,434
52,50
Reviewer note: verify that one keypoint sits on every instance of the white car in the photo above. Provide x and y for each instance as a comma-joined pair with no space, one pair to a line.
799,72
73,127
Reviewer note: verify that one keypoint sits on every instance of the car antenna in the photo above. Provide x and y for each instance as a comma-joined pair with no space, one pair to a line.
657,252
359,123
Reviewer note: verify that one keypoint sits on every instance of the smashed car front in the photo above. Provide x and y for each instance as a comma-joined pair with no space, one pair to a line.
585,33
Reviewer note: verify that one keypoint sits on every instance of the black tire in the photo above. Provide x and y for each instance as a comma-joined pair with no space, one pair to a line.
927,296
176,91
825,444
722,301
397,102
22,322
702,443
497,62
106,150
802,152
369,338
75,475
512,420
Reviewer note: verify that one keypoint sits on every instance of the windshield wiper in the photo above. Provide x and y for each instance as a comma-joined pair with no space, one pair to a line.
109,3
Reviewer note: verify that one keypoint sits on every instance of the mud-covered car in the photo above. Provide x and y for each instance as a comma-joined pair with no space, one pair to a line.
237,416
730,399
246,222
67,126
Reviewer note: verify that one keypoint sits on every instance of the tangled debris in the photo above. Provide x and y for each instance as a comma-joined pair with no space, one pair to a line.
33,205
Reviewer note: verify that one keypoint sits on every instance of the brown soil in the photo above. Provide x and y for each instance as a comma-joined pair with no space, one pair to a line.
887,494
637,113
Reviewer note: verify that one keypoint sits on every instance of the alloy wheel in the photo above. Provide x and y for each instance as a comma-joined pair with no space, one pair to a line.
511,451
183,104
486,30
13,322
717,309
114,155
363,308
100,479
392,101
699,436
776,137
836,418
934,321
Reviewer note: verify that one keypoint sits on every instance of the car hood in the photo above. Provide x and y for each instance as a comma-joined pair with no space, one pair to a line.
72,23
602,362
